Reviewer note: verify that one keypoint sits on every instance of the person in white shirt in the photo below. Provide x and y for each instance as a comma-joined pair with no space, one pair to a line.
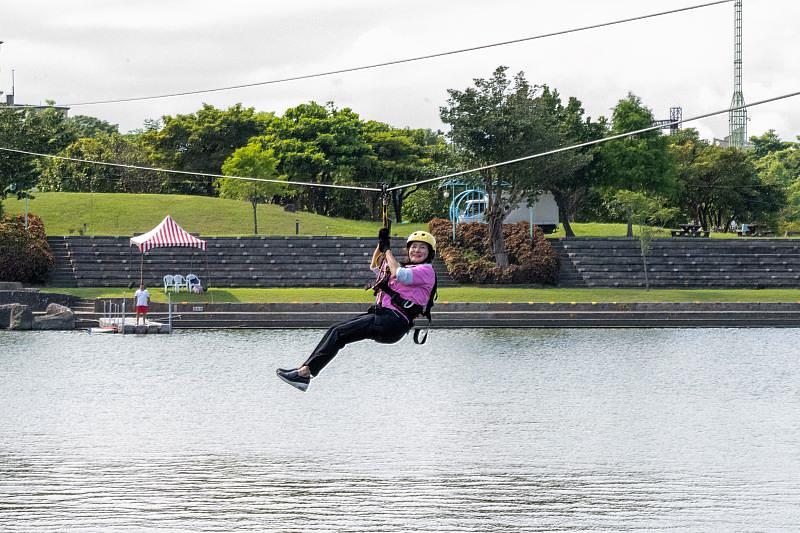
142,301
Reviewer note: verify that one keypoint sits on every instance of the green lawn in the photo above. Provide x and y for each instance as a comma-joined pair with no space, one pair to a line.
126,214
596,229
460,294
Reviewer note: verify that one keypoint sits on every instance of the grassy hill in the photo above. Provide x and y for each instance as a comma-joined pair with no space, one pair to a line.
127,214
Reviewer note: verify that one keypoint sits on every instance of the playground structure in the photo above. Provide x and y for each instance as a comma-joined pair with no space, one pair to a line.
470,205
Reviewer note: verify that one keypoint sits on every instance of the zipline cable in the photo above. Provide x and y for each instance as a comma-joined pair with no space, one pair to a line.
189,173
385,190
401,61
591,143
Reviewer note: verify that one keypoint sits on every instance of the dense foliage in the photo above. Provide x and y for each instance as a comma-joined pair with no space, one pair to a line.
24,254
63,175
497,119
468,260
501,119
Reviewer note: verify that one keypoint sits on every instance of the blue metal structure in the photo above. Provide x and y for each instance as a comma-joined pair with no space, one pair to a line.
467,206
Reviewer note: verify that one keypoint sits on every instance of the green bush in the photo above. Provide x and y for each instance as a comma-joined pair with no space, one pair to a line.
469,259
24,255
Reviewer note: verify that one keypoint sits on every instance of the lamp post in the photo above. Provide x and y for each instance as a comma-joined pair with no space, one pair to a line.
28,196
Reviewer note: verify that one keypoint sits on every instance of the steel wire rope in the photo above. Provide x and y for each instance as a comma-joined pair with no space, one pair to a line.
420,182
592,143
189,173
401,61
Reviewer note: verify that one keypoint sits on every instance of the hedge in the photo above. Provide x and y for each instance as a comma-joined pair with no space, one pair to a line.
24,255
469,258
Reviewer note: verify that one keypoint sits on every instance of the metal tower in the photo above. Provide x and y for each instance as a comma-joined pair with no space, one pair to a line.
673,123
737,118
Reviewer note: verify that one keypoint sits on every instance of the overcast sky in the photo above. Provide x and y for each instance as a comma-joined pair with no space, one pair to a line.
105,49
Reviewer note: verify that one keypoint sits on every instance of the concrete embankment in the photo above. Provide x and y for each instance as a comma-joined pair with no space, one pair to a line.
496,315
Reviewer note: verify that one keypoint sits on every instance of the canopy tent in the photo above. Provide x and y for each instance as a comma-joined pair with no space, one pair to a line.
167,234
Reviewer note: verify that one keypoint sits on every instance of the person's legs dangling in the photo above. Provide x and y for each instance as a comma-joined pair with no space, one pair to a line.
381,325
339,335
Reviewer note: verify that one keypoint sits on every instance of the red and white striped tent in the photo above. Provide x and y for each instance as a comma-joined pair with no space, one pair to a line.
167,233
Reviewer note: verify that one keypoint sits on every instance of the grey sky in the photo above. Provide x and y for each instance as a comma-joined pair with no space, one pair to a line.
103,49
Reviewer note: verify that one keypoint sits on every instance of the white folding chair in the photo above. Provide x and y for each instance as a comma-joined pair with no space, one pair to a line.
169,282
191,282
179,281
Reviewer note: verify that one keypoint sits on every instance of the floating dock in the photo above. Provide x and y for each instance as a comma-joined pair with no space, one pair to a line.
128,326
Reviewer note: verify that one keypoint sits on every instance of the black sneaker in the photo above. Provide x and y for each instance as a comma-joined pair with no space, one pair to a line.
293,378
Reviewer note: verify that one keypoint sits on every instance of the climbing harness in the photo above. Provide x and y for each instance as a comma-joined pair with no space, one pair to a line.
408,308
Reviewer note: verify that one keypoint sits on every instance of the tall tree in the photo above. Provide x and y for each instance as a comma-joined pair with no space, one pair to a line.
202,141
74,176
640,163
718,185
570,189
498,120
44,130
251,161
326,145
403,156
782,168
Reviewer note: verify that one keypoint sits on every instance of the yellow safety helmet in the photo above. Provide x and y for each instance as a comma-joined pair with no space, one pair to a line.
422,236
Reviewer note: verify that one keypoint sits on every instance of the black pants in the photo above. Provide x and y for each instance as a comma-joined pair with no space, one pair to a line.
379,324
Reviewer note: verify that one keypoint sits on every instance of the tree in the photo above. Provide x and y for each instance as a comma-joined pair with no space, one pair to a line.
640,163
251,161
767,143
569,190
201,142
86,126
718,185
782,169
74,176
644,211
325,145
41,130
499,120
403,156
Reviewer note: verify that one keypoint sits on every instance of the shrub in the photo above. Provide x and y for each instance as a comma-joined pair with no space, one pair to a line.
24,255
469,259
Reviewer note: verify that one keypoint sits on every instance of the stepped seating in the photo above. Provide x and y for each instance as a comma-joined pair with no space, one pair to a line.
229,262
685,263
63,274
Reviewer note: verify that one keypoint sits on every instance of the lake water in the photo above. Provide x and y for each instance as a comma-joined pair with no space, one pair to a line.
478,430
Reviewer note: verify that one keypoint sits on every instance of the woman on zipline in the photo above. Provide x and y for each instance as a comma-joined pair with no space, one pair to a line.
403,291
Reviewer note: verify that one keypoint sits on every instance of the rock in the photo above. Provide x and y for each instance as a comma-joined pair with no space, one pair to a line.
56,317
21,317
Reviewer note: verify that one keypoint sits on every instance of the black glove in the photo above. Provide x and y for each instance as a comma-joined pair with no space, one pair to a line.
383,240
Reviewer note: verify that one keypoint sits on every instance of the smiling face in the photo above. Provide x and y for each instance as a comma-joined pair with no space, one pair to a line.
418,252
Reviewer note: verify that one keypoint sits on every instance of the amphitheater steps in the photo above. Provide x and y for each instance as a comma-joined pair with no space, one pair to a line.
63,274
687,263
569,275
228,262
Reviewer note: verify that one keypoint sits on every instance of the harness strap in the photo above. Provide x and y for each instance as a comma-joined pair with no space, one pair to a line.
410,309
